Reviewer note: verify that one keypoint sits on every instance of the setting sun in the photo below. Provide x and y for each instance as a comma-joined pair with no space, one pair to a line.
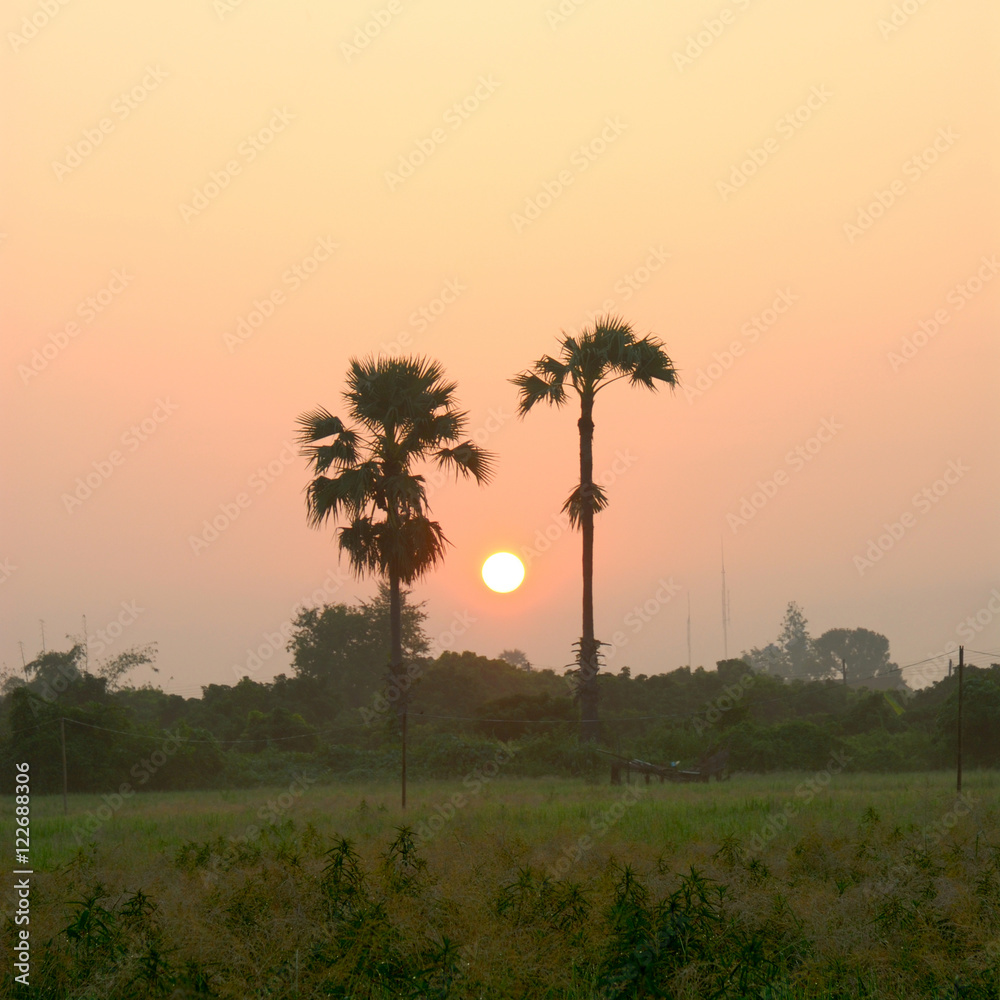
503,572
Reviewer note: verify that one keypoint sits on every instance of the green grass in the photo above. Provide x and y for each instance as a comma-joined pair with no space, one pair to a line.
688,819
875,886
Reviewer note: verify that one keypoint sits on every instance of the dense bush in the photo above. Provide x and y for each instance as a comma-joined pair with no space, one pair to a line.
461,706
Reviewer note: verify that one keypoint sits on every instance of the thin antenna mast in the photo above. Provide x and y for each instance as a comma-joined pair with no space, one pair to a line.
725,606
689,630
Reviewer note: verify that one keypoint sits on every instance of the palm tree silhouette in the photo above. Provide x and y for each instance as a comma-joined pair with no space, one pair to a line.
603,354
404,412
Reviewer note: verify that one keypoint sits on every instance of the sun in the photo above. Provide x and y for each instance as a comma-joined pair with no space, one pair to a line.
503,572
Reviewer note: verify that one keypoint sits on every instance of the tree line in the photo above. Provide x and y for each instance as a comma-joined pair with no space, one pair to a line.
332,716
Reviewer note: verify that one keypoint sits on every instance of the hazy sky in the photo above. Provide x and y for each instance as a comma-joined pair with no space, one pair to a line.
208,207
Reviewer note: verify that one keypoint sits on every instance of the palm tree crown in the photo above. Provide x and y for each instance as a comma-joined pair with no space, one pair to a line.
405,412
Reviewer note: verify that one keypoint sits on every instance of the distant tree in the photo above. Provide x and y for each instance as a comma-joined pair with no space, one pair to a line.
378,611
794,655
116,669
767,660
855,654
405,412
10,680
56,676
343,647
795,643
516,658
603,354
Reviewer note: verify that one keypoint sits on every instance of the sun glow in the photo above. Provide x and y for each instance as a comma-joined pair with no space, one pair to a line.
503,572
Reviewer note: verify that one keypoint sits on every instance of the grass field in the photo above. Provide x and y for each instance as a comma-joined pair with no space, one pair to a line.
832,885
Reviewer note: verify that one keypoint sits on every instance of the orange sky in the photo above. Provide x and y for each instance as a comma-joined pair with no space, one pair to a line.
209,207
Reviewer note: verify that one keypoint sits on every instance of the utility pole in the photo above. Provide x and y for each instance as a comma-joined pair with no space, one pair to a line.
404,750
689,630
41,621
725,607
961,674
24,666
62,730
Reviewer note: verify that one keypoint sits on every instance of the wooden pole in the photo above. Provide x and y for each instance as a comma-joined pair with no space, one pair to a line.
62,730
961,674
404,752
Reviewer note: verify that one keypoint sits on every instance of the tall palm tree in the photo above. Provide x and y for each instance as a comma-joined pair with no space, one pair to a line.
404,412
603,354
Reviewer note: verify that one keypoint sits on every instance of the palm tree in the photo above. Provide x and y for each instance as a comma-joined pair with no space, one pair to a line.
404,412
603,354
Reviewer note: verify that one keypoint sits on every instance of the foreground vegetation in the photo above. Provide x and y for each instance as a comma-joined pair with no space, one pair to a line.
805,885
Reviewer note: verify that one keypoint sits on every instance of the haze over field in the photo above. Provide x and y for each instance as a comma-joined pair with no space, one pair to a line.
210,207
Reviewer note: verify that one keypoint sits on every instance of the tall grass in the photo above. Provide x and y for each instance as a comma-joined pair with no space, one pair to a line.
872,886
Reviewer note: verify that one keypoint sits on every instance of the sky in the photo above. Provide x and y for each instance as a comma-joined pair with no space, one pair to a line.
210,206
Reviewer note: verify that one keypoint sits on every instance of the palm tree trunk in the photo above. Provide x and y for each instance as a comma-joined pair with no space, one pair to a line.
589,664
396,663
